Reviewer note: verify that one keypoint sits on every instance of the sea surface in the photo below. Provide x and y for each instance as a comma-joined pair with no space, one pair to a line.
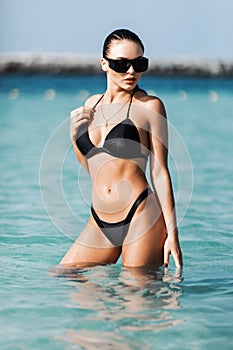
45,203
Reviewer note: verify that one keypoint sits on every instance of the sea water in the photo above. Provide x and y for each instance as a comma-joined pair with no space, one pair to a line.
45,203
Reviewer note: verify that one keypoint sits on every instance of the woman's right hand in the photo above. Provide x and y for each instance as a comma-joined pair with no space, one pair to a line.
79,117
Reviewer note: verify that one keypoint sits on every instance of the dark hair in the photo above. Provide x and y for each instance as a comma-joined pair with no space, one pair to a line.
120,34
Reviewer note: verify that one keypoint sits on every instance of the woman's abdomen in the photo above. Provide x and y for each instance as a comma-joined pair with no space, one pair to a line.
116,185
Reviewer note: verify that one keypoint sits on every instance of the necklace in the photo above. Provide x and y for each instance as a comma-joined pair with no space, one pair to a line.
107,120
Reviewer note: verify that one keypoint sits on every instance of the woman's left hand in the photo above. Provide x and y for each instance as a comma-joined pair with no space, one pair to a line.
172,247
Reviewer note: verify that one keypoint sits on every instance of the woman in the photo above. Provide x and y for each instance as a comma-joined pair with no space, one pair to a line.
113,135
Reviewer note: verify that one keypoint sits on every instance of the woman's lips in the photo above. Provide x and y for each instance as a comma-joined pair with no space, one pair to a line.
129,80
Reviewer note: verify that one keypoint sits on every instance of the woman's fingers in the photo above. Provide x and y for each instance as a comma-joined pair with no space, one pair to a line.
79,117
166,255
81,113
177,256
172,247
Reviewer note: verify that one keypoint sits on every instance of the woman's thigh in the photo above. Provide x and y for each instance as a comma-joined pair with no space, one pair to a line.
91,247
144,243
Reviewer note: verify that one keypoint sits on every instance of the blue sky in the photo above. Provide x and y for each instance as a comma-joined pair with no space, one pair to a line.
181,28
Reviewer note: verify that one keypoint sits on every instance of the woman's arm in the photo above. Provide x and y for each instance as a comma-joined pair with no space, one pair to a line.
78,117
161,179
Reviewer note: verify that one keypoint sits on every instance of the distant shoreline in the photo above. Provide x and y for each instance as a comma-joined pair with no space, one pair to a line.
74,64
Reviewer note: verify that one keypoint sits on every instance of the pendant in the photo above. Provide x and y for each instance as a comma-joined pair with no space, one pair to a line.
106,124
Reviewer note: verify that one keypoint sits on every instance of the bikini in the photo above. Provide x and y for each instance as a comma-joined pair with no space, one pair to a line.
123,141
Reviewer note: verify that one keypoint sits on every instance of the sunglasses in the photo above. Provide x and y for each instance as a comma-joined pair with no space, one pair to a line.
140,64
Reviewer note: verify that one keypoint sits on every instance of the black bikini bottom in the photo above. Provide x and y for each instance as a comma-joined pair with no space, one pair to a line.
117,231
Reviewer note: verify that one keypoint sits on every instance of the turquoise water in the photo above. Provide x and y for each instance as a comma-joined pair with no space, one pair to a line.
45,199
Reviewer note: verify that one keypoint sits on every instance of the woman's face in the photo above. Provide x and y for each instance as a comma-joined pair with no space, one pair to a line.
123,49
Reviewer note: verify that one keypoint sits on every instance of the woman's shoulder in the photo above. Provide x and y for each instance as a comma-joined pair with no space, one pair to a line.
91,100
150,102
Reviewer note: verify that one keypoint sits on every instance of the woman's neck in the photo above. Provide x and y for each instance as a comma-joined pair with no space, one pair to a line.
117,96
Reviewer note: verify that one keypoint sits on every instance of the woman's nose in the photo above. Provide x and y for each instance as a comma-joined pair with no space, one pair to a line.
131,70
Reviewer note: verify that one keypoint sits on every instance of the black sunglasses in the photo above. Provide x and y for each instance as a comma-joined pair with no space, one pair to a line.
140,64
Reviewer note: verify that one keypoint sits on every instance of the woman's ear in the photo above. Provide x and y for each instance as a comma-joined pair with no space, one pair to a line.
104,64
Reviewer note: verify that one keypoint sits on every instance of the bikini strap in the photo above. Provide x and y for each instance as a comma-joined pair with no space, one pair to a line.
130,102
135,205
98,101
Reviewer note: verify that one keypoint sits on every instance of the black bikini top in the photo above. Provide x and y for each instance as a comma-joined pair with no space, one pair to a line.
122,141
